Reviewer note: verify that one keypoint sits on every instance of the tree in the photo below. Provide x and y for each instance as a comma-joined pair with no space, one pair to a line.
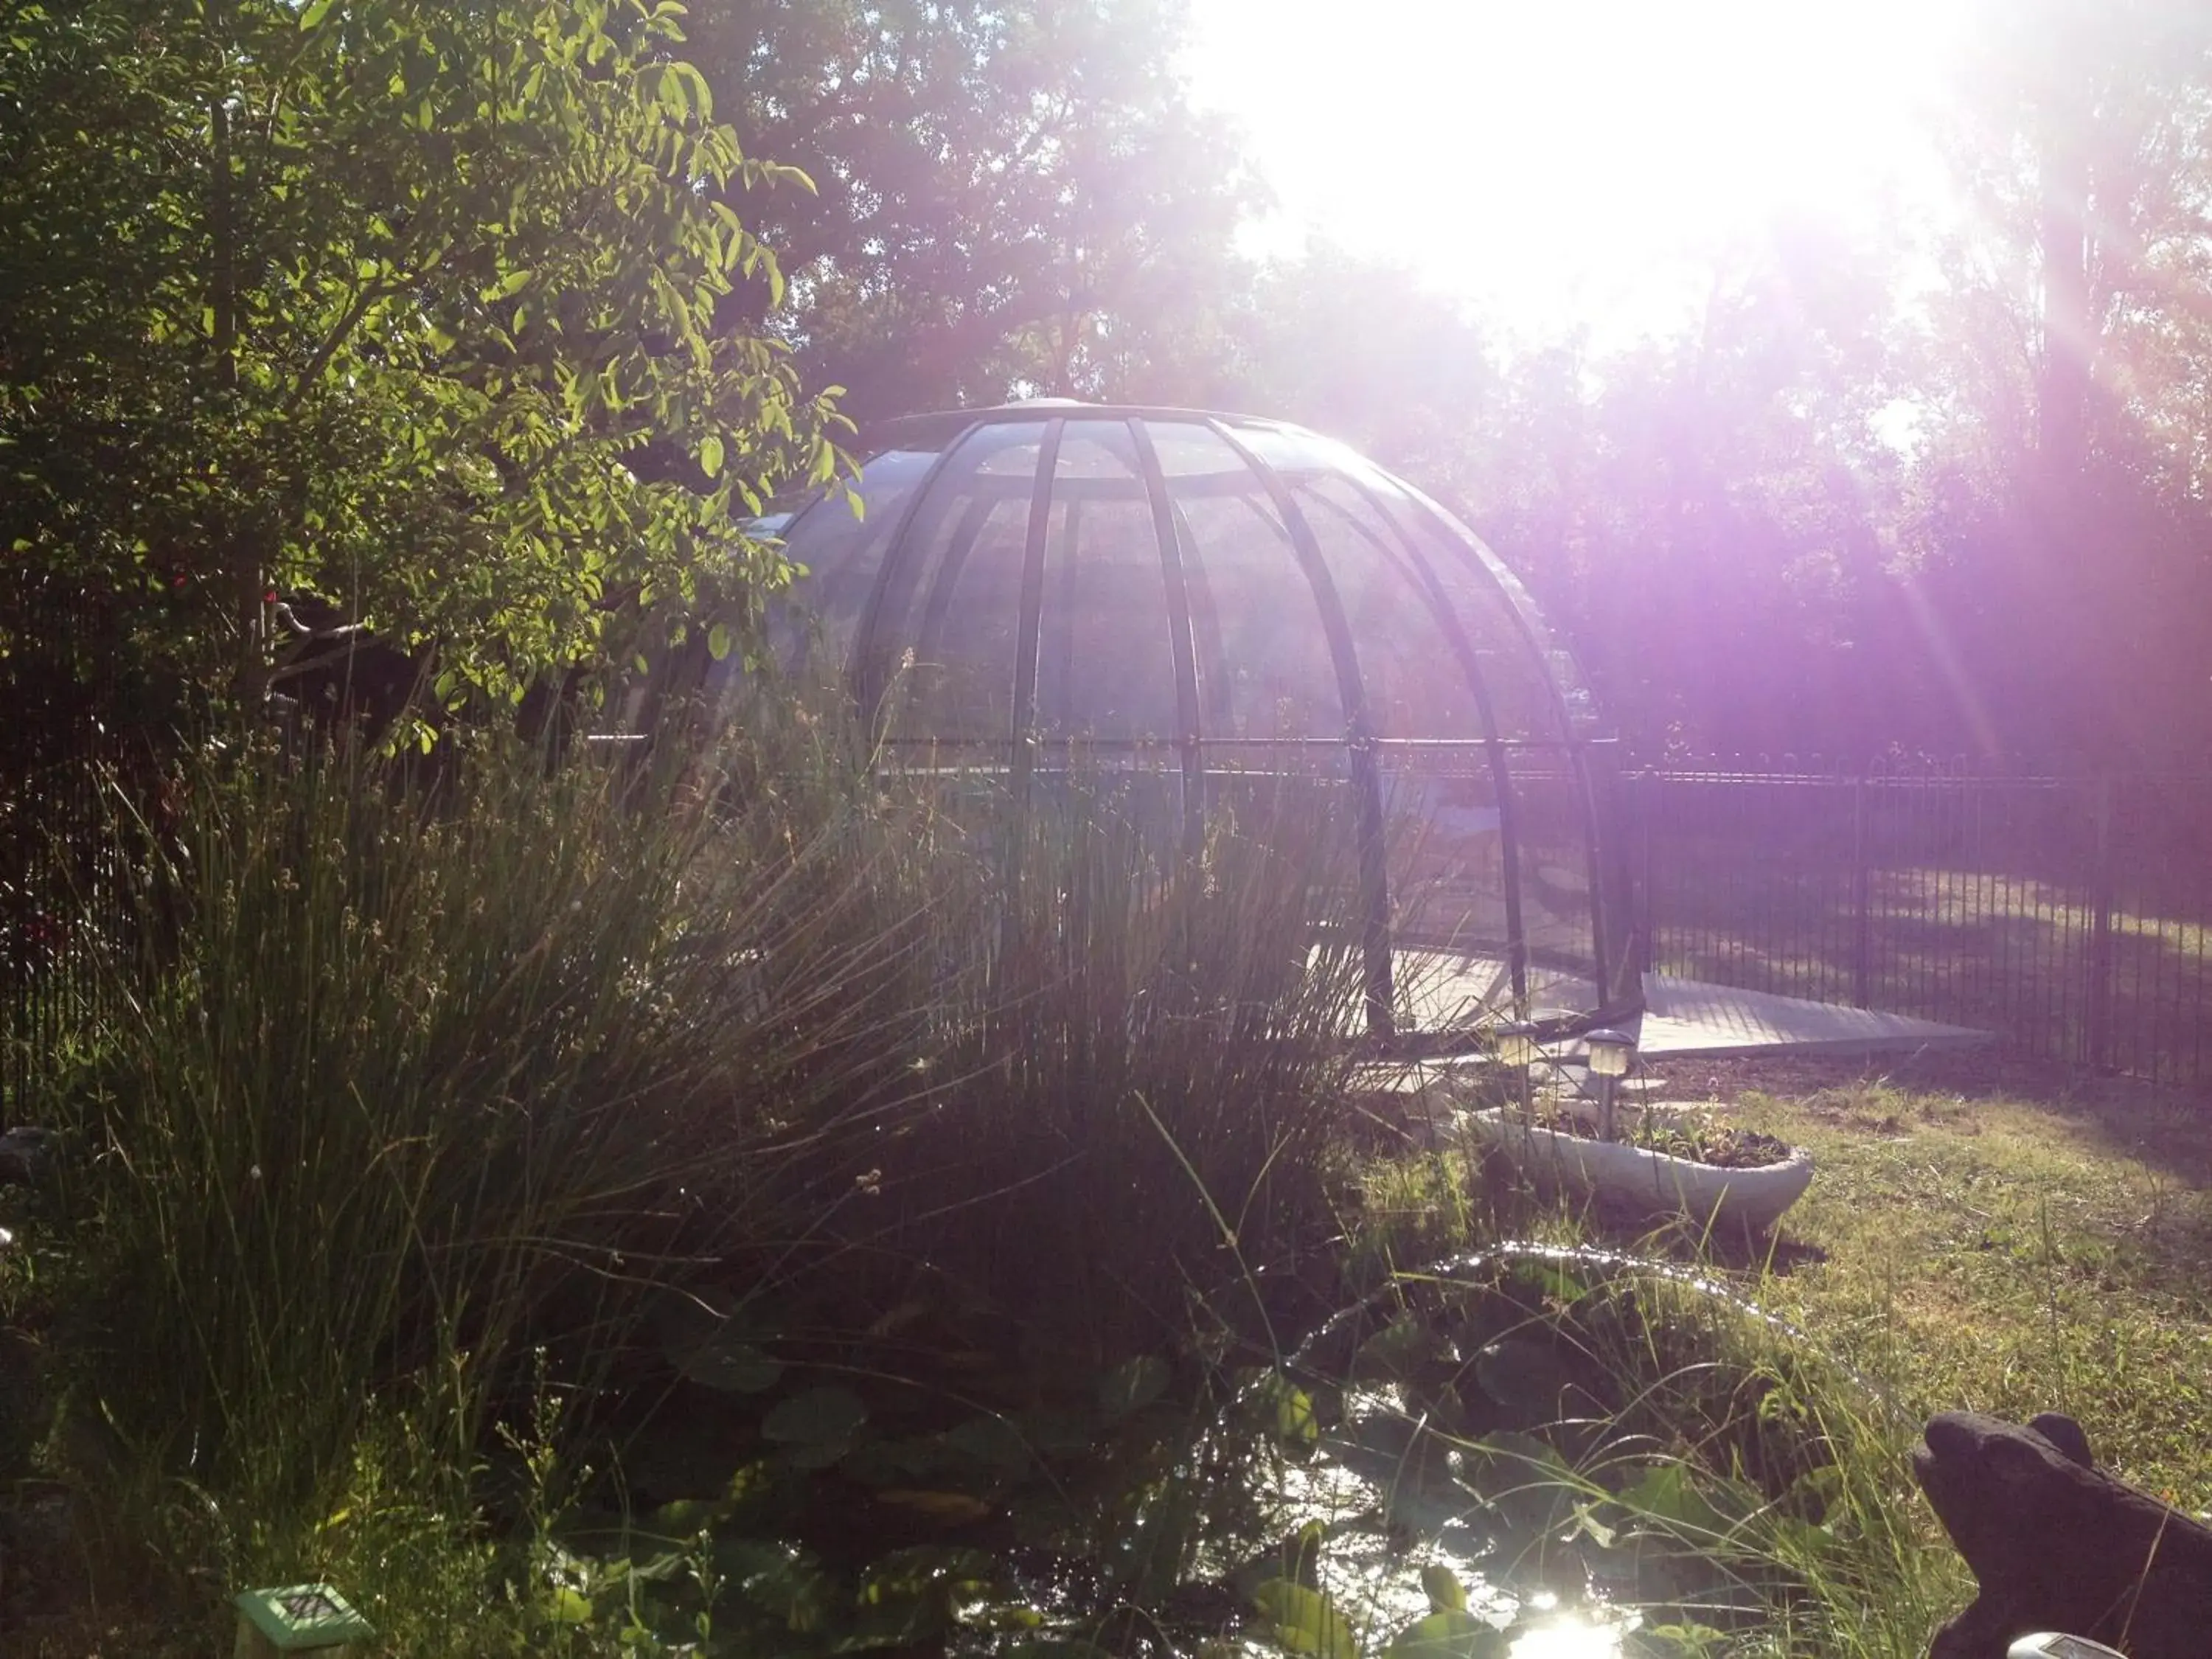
1012,196
2064,526
385,298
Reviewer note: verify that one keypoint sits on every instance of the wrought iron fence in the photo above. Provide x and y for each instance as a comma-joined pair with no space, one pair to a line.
2072,915
61,896
62,706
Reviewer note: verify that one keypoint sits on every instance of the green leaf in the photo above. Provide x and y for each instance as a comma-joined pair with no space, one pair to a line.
508,286
1445,1593
710,455
910,1596
1673,1493
1292,1419
1555,1282
1521,1454
1296,1557
1586,1525
687,1517
568,1606
1304,1621
1450,1633
720,641
316,11
1132,1386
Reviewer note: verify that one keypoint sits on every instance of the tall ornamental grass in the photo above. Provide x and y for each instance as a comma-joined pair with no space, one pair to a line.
419,1078
419,1081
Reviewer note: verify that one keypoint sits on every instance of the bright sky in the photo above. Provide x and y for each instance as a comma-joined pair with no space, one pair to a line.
1570,162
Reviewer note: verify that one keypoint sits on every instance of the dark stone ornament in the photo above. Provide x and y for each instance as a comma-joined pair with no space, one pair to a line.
2057,1544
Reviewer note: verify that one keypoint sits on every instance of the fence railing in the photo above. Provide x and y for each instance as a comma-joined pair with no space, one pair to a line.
2072,915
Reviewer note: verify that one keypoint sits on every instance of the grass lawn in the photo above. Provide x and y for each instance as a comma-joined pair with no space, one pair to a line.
1991,1237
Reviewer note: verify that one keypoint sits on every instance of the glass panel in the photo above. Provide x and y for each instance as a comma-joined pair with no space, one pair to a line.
842,552
1527,682
1194,451
967,622
952,605
1556,912
840,547
1416,684
1264,666
1447,919
1446,855
1296,800
1105,665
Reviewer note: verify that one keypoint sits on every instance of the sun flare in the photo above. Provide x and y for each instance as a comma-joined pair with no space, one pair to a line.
1548,155
1569,1637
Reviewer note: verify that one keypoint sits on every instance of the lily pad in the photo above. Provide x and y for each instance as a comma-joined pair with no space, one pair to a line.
1304,1622
1523,1375
993,1442
730,1368
820,1417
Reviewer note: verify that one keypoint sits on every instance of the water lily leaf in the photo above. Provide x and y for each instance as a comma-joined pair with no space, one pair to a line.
901,1462
1290,1414
1295,1423
819,1417
1132,1386
994,1441
1398,1351
1445,1593
1522,1375
1304,1621
1050,1433
1452,1633
1527,1482
949,1509
731,1368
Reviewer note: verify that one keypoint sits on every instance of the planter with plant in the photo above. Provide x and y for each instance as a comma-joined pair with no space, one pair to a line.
1651,1162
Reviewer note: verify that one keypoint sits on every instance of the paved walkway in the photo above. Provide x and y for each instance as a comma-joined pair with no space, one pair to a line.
1685,1019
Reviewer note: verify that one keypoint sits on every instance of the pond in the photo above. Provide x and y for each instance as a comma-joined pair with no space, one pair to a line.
1529,1451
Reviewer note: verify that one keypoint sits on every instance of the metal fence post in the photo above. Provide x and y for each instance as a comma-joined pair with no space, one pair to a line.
1862,901
2099,1033
1647,805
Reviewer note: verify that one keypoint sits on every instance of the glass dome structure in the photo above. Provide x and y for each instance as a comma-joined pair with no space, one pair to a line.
1206,598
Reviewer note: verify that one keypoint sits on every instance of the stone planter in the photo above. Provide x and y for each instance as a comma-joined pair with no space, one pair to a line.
1646,1182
